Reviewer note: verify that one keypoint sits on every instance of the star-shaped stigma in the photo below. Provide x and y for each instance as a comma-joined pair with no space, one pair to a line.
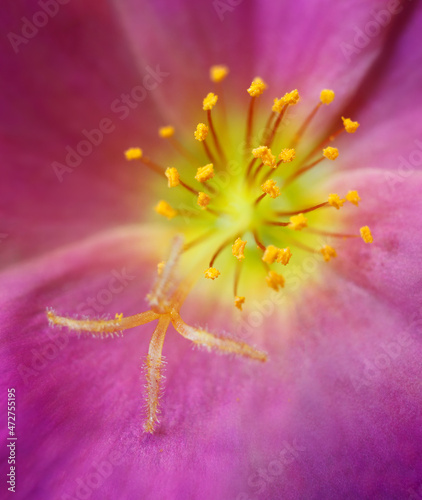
165,301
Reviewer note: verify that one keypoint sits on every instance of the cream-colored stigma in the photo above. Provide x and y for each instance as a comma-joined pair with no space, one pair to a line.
270,188
298,222
238,248
349,125
205,173
209,102
212,273
165,209
366,234
287,155
133,154
327,96
165,132
328,253
257,87
201,132
353,197
173,177
335,201
330,153
275,280
218,73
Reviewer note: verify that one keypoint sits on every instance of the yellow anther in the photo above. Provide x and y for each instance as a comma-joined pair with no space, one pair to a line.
160,267
327,96
265,154
275,280
328,252
173,177
218,73
291,97
239,301
205,173
298,222
211,273
166,210
201,132
209,102
270,254
349,125
133,154
165,132
335,201
257,87
330,153
287,155
119,317
353,197
273,254
203,200
283,256
366,234
269,187
238,248
278,105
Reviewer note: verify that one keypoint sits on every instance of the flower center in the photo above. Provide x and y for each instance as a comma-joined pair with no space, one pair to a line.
246,196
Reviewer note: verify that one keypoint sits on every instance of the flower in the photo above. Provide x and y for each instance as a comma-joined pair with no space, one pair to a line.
336,411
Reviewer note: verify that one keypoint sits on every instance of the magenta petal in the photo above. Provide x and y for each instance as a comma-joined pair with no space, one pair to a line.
390,266
60,83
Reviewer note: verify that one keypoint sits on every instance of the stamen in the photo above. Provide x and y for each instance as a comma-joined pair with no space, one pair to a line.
166,132
218,73
209,101
239,301
133,154
330,153
349,125
256,89
205,173
153,369
203,200
328,253
366,234
270,187
212,273
275,280
298,222
173,177
287,155
265,155
210,341
165,209
327,96
238,248
335,201
353,197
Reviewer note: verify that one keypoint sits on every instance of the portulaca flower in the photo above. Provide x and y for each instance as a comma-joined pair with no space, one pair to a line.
252,168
